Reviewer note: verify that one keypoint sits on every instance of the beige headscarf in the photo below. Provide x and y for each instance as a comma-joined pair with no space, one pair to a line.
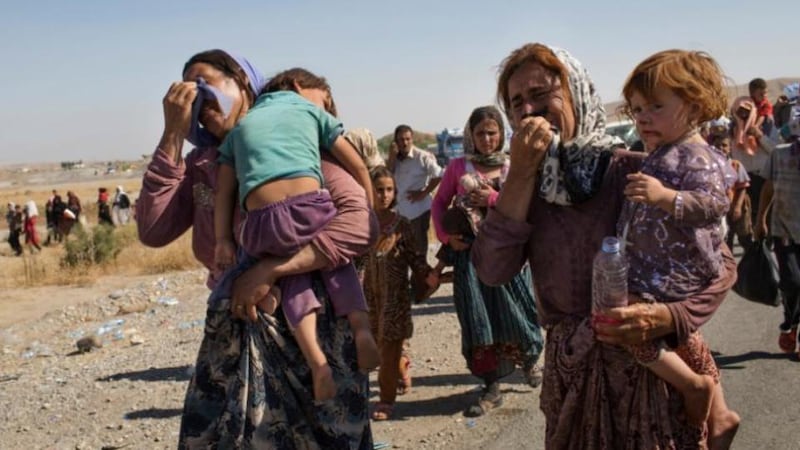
366,146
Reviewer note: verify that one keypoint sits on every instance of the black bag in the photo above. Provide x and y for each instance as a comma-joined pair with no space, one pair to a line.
758,275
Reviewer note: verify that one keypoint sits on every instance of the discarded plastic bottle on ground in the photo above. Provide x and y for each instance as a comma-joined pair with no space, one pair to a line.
36,349
109,326
167,301
609,279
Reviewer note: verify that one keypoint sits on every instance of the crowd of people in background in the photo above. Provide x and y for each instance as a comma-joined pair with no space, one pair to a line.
61,215
761,141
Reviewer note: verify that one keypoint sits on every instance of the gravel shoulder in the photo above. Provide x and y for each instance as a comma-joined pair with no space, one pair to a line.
129,393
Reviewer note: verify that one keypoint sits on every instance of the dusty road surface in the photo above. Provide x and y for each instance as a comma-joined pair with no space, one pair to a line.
129,393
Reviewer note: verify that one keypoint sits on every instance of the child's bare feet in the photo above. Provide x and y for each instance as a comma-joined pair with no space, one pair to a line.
324,386
697,399
366,349
722,430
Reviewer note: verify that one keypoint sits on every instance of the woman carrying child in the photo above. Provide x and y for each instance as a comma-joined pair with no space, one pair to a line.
499,324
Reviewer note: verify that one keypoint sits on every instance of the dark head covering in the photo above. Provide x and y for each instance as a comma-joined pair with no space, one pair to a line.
198,135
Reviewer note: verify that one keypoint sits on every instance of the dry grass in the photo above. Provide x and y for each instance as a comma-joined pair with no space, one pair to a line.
45,268
136,258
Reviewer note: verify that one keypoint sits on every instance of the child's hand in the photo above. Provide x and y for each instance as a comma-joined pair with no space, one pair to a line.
737,214
224,253
432,280
643,188
270,302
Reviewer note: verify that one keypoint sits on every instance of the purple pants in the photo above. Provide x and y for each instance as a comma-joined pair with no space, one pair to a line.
282,229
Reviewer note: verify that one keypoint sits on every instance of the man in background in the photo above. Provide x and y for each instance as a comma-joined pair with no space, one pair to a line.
417,174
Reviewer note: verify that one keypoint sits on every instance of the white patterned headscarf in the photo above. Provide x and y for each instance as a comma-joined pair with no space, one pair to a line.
573,171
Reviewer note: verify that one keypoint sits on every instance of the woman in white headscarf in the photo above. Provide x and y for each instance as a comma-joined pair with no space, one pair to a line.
553,214
29,225
121,210
499,323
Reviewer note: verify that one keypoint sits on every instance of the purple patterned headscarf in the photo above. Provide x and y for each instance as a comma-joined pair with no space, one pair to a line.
198,135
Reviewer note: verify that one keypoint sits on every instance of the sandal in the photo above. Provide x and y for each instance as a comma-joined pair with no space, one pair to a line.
382,411
533,375
404,383
487,402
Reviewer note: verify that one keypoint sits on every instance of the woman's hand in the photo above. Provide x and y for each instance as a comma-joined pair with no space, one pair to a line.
432,280
456,241
528,148
633,324
177,114
529,144
253,288
480,197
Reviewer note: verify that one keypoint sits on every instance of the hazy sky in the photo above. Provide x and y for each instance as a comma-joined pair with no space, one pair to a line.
85,78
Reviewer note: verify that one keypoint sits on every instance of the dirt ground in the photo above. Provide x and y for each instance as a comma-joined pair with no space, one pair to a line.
129,393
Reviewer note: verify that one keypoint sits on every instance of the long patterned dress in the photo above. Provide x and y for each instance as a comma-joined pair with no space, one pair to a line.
499,324
388,297
250,388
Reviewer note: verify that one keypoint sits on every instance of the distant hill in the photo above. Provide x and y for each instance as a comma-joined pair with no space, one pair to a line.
774,87
421,140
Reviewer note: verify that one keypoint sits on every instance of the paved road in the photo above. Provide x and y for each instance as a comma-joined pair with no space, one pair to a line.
761,384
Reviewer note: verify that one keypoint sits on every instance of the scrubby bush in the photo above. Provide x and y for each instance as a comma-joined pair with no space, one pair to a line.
98,246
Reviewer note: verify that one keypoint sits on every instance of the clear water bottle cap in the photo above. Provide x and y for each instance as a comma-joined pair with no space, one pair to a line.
610,245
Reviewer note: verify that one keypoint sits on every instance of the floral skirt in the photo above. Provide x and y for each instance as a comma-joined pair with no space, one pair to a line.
252,387
596,396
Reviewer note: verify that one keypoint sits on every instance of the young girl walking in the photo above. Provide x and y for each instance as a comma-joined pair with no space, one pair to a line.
386,282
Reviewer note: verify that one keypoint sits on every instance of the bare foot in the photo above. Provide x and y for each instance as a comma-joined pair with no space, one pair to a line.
722,430
697,400
367,350
324,386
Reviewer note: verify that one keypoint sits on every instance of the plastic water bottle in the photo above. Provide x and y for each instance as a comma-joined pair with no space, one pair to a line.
109,326
609,278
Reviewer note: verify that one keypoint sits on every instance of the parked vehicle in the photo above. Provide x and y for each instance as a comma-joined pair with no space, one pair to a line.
450,144
625,130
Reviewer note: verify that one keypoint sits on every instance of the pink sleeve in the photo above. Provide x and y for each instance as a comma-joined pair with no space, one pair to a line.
165,208
493,199
354,229
444,195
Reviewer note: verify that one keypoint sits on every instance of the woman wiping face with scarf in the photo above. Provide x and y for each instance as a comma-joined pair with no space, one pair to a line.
177,193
